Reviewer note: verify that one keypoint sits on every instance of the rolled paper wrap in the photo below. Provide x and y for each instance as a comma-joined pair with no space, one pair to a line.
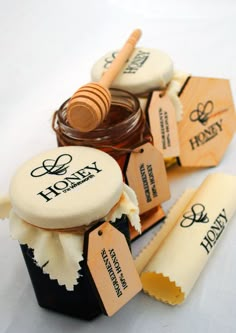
174,259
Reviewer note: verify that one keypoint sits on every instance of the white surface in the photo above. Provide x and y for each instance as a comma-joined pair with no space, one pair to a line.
47,50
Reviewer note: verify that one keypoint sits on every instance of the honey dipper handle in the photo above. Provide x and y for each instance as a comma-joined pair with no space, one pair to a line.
120,59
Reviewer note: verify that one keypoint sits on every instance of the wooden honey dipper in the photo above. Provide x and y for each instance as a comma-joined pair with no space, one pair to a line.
90,104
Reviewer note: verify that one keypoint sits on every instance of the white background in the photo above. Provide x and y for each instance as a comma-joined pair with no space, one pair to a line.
47,50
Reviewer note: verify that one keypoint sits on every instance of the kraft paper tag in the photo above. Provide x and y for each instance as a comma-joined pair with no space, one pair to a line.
173,260
163,124
208,122
146,175
111,267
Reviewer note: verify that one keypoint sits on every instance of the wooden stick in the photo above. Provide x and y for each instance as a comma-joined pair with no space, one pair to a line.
124,54
90,104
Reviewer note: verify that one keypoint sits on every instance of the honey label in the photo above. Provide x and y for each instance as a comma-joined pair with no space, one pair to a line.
111,267
177,254
208,122
140,73
146,175
59,179
163,124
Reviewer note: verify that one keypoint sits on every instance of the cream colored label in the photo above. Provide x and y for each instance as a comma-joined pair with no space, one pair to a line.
69,181
147,69
198,214
64,187
181,253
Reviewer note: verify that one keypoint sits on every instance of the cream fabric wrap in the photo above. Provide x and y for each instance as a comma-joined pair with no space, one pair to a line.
173,90
173,260
156,72
59,253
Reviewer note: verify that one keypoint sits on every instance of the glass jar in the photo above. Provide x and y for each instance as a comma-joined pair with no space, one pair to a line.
64,200
82,302
124,129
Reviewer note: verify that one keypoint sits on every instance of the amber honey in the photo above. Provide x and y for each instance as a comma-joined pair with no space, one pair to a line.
122,131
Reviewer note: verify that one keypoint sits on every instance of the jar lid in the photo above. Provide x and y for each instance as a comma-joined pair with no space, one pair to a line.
66,187
147,69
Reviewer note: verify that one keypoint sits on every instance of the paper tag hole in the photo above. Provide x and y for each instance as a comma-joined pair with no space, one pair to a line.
162,94
99,232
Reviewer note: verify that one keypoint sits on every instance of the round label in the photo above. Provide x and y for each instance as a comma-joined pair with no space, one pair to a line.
147,69
66,187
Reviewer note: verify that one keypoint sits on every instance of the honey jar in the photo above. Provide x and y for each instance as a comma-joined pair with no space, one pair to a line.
124,130
69,191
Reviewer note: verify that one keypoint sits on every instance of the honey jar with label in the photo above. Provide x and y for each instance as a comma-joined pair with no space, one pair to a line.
122,134
70,192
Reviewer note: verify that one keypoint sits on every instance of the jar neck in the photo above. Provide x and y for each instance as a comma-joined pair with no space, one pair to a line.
124,119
